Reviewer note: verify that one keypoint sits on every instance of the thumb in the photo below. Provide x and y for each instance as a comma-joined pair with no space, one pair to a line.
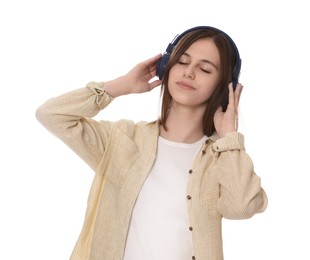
155,84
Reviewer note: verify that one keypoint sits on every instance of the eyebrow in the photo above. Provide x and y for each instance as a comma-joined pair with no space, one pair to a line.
204,60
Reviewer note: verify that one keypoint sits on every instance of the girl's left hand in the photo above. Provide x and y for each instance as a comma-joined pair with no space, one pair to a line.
226,122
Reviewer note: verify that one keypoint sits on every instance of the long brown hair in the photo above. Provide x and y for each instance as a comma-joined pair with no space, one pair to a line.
227,65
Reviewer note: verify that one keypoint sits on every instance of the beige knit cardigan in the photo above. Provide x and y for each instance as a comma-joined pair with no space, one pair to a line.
221,183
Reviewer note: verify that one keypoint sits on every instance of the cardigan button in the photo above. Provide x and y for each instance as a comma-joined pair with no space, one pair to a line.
189,197
190,171
190,228
193,257
203,151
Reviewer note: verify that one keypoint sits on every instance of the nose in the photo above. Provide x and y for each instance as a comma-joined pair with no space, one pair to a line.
188,73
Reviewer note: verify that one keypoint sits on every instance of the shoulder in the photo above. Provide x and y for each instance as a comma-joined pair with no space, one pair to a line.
131,128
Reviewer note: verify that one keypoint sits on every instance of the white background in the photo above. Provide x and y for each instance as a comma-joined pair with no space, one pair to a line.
51,47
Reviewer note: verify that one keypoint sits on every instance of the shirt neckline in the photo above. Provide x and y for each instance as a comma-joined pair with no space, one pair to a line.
181,145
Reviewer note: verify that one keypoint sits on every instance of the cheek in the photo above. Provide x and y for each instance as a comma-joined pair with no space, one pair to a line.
172,75
173,71
209,84
207,90
206,94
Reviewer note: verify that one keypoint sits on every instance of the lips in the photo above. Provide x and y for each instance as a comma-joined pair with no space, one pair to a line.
185,85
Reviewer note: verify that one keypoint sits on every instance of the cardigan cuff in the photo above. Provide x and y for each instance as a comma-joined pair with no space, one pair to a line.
102,97
232,141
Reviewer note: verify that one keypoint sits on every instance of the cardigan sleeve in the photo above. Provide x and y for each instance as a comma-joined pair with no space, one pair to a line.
68,116
241,194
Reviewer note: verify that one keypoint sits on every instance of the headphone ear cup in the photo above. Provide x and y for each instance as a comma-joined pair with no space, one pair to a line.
161,65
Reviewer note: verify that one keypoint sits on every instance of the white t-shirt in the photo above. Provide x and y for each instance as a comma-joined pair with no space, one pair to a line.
159,228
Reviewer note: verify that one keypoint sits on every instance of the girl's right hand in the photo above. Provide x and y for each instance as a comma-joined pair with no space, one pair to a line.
137,80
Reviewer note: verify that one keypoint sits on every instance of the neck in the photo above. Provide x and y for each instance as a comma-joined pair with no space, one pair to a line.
184,125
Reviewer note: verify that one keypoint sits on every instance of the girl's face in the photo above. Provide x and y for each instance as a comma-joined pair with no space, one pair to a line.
193,79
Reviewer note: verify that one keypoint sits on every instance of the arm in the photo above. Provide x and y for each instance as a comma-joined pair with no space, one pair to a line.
241,194
69,115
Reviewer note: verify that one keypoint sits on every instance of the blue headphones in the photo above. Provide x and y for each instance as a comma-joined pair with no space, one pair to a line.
162,63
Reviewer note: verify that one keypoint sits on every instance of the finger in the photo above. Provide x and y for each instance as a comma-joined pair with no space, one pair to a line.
219,110
231,101
153,66
155,84
151,62
236,123
238,92
149,65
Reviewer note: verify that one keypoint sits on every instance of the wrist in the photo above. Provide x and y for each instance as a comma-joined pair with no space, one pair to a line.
115,87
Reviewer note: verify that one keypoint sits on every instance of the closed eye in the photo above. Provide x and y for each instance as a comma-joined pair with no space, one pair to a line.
206,71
